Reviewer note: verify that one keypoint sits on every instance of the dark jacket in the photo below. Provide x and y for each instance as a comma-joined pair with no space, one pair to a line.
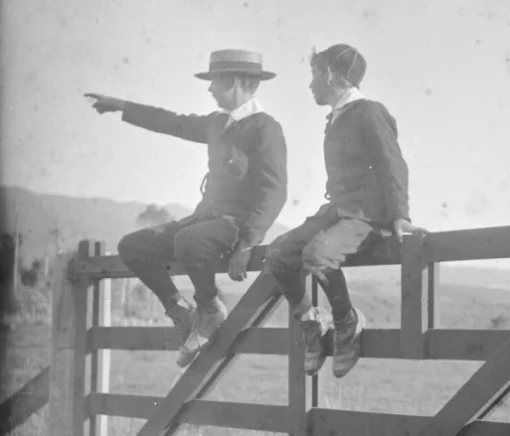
247,176
367,175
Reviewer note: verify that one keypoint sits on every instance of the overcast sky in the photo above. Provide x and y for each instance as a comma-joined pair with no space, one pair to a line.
441,67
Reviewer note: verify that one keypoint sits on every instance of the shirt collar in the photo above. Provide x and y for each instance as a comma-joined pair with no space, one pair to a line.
352,94
248,108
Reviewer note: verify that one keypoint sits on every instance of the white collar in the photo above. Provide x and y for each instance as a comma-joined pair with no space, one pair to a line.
250,107
352,94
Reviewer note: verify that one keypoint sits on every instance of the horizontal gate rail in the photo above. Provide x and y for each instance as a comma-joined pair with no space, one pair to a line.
418,337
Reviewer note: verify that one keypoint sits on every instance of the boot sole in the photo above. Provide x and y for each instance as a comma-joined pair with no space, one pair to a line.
192,356
362,322
322,359
318,368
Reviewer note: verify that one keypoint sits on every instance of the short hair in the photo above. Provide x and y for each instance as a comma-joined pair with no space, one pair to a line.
343,60
249,82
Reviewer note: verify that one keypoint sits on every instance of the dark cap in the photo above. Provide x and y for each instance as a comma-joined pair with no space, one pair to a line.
345,61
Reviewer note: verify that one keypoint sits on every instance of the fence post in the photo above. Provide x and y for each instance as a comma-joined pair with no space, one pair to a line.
298,418
325,378
433,275
100,316
317,381
67,370
126,310
414,306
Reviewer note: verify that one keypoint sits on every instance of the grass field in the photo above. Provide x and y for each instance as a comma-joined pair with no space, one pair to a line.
393,386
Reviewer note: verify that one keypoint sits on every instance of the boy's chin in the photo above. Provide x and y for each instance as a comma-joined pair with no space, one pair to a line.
319,101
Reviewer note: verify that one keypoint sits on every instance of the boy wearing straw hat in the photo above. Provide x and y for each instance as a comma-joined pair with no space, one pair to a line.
367,193
243,193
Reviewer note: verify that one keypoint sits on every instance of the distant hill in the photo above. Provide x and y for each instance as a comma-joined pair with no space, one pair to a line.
46,220
40,215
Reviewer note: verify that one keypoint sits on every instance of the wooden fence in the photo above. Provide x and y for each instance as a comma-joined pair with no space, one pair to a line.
79,373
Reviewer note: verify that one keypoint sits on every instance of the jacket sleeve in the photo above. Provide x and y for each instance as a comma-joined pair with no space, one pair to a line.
271,184
189,127
379,132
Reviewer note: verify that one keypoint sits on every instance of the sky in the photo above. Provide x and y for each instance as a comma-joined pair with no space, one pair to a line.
441,68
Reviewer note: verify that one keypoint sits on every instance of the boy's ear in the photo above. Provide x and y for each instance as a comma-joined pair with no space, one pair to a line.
330,76
236,82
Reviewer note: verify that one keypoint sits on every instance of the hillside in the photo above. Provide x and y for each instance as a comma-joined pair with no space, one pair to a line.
42,217
107,220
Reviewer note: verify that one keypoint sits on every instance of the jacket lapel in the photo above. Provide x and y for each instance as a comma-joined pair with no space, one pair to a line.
230,133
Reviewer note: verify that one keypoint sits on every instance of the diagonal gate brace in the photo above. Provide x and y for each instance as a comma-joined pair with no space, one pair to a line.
498,402
251,310
484,387
225,364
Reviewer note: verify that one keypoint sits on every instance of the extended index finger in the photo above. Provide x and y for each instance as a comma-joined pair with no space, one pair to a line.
92,95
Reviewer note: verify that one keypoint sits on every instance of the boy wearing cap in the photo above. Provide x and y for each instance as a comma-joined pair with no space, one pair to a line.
367,193
243,193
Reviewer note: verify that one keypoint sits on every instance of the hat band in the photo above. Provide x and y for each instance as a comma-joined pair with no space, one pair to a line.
219,66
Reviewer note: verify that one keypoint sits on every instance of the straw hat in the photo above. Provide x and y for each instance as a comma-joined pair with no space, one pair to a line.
236,61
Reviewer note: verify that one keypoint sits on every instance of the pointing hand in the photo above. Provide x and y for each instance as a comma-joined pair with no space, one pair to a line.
103,103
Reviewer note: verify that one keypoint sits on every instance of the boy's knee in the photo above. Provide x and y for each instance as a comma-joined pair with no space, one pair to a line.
127,247
312,253
319,257
276,258
272,259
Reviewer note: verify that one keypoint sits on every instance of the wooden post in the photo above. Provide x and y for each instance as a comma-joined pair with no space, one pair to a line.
298,419
316,380
127,301
100,304
67,370
122,301
325,376
433,297
414,316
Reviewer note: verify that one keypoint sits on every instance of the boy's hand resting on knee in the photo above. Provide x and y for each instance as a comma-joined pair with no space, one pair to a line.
403,226
239,263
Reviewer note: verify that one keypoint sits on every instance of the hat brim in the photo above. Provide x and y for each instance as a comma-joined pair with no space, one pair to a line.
262,75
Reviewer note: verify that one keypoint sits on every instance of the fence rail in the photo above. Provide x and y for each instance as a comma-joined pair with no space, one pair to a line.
77,393
450,246
440,344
